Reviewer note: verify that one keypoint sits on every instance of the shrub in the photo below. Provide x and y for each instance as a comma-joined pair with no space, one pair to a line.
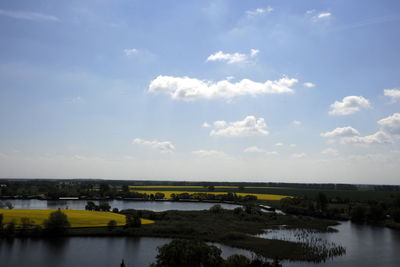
57,222
216,209
179,253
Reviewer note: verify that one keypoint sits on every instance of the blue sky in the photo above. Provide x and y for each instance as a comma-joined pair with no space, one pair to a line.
294,91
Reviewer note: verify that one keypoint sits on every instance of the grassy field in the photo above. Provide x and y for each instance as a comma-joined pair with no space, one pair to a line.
77,218
259,196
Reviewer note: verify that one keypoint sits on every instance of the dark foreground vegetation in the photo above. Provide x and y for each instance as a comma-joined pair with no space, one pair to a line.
183,253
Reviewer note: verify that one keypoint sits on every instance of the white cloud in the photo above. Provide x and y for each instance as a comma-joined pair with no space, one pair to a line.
296,122
391,124
330,151
233,58
379,137
162,146
278,144
271,153
259,11
206,125
130,51
298,155
292,145
254,52
191,89
250,126
253,149
208,153
393,94
312,11
309,85
323,15
341,132
349,105
27,15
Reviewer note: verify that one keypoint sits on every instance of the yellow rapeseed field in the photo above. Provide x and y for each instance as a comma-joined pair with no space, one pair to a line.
259,196
77,218
198,186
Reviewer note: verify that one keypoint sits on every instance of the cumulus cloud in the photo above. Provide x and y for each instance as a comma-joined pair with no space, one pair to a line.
292,145
27,15
349,105
330,151
253,149
377,138
309,85
233,58
393,94
296,122
191,89
162,146
391,124
278,144
341,132
130,51
250,126
298,155
206,125
259,11
208,153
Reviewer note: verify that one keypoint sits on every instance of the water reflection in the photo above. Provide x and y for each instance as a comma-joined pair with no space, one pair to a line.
85,251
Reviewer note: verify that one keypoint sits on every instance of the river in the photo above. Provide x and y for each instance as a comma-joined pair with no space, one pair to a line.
365,245
120,204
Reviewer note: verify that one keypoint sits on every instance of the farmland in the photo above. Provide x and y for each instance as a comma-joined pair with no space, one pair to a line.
169,193
77,218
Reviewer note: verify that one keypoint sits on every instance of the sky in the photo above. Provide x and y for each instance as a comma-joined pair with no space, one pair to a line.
206,90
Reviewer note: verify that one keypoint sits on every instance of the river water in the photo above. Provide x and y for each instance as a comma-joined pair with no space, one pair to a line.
365,245
120,204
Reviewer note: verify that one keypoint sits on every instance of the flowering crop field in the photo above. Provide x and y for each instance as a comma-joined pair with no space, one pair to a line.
77,218
259,196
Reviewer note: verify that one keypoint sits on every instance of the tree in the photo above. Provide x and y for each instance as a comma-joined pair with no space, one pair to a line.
182,253
90,205
159,195
9,205
115,210
216,209
133,221
125,188
322,201
57,222
104,206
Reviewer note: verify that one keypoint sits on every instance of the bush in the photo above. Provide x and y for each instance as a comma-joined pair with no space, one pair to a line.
216,209
182,253
57,222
